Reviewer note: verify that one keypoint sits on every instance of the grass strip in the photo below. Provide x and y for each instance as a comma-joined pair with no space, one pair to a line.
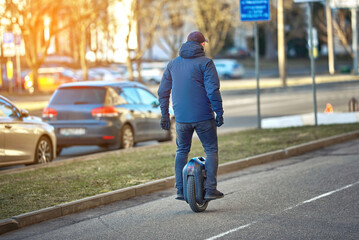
33,190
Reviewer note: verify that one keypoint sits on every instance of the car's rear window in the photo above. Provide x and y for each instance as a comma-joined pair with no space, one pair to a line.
79,95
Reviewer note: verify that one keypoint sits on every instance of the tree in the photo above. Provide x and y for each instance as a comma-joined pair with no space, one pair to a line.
84,13
173,27
143,19
30,17
284,15
341,25
214,19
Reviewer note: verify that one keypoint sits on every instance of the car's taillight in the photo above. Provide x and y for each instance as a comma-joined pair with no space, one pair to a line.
49,113
104,112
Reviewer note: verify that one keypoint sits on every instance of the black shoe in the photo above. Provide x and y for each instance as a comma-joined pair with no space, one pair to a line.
212,195
180,194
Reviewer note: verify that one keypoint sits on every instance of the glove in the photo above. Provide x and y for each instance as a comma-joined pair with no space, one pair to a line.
165,122
219,121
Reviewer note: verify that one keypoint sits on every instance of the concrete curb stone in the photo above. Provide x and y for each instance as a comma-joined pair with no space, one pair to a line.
38,216
8,225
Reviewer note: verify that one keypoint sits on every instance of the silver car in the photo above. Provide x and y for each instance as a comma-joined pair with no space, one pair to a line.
24,139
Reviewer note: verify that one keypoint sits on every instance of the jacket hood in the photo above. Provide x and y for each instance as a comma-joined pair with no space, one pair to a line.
191,49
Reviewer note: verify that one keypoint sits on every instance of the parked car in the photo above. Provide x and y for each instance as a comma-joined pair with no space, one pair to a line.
151,76
24,139
151,72
49,78
107,114
229,68
106,74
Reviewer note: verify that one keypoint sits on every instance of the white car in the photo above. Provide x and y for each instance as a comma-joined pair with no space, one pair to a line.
151,73
106,74
229,68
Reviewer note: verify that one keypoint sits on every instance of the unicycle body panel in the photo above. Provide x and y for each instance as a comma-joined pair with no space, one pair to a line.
194,175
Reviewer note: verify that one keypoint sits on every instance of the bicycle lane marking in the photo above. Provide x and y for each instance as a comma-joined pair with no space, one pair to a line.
287,209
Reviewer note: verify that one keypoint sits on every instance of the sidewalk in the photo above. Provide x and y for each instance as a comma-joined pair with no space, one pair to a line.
30,218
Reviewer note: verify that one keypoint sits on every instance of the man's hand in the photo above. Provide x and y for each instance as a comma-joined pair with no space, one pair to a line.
165,122
219,121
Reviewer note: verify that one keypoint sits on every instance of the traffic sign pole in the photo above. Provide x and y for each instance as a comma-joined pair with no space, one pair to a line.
312,66
259,120
255,10
311,47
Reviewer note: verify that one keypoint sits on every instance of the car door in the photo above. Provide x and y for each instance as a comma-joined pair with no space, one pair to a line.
152,112
133,105
19,136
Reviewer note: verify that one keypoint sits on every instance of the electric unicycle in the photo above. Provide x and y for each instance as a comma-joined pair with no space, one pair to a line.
194,174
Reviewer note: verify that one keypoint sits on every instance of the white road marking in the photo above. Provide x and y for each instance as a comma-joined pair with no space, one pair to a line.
290,208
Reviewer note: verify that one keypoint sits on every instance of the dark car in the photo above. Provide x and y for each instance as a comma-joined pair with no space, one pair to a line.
24,139
107,114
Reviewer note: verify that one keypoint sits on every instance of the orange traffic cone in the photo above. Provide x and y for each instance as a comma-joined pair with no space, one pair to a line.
329,108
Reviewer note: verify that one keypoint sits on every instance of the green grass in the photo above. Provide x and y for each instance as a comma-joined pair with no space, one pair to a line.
36,189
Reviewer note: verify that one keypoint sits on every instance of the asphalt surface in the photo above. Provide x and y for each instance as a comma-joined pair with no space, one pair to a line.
310,196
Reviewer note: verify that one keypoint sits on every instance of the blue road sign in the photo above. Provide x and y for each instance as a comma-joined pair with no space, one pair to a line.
8,37
254,10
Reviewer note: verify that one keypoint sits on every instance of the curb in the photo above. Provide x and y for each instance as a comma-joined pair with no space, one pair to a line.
60,210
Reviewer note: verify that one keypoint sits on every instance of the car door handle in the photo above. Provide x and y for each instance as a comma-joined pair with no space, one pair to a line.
8,126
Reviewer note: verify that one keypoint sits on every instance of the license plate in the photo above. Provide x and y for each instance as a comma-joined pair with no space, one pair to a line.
72,131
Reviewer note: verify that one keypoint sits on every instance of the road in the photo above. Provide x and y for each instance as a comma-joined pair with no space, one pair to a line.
312,196
240,108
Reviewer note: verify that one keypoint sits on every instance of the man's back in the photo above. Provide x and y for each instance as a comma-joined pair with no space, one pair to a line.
195,85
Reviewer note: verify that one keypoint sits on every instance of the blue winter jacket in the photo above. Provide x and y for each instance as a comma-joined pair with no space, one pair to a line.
194,82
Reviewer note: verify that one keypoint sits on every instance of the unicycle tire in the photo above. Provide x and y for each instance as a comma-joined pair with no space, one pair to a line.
191,195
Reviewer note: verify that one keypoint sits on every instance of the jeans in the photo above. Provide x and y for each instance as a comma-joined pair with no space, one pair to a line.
207,133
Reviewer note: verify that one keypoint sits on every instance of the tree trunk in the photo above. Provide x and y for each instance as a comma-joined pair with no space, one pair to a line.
330,39
83,52
35,79
281,44
129,68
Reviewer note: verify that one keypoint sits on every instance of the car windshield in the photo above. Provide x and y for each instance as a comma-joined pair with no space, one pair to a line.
79,95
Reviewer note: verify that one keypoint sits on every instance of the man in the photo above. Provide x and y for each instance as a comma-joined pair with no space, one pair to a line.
194,83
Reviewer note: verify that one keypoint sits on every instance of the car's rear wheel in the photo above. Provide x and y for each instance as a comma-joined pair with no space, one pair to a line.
126,137
43,151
